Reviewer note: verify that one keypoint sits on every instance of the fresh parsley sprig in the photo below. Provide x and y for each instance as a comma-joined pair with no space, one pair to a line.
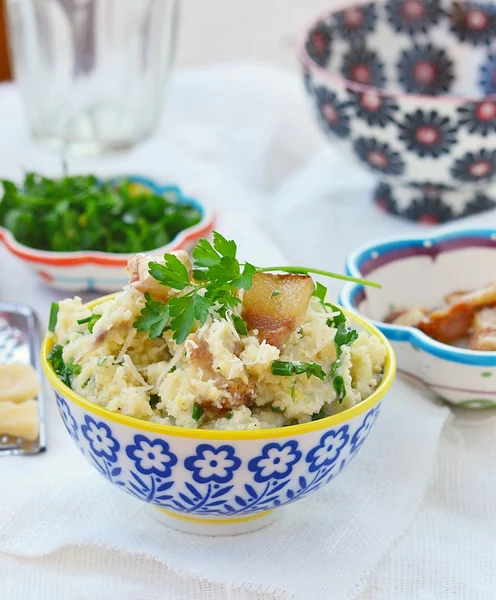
65,370
218,279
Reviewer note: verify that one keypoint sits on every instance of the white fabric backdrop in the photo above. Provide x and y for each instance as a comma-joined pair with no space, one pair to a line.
413,517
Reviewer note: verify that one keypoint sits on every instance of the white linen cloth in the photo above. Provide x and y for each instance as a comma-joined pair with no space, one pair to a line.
413,517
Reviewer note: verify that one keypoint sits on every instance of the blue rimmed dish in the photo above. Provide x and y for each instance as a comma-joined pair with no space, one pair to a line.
421,270
91,271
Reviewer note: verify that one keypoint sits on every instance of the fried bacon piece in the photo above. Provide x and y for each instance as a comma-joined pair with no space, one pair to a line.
276,304
479,298
240,393
140,278
484,331
449,323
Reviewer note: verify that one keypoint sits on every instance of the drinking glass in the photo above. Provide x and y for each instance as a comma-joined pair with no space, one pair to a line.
92,73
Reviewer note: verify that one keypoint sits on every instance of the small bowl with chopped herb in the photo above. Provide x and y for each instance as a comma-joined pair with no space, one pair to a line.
216,390
79,232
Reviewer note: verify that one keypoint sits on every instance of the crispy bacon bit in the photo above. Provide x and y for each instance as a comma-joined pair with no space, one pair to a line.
468,319
276,304
450,323
485,296
238,393
140,278
484,331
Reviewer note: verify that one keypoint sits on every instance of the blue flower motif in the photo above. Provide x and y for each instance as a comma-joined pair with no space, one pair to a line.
99,435
151,456
363,431
69,421
328,450
213,464
276,461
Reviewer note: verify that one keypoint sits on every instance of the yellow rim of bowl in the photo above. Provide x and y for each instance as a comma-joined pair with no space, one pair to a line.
207,434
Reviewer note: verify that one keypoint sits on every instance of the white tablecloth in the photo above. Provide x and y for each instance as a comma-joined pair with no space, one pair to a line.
245,139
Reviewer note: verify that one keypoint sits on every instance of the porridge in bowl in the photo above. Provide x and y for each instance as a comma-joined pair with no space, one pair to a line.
211,344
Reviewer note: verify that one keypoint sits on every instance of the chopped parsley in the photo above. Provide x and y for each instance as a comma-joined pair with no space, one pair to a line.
91,320
275,293
319,415
82,212
52,321
197,412
286,369
154,400
64,370
276,409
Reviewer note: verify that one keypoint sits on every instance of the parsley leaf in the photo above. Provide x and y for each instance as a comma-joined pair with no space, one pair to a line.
173,274
204,254
276,409
245,280
320,292
286,369
183,311
64,370
338,383
153,317
224,247
239,325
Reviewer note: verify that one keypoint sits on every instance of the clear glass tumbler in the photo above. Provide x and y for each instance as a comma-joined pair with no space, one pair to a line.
92,73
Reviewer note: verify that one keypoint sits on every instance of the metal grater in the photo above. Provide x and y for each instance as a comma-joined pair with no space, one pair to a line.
20,343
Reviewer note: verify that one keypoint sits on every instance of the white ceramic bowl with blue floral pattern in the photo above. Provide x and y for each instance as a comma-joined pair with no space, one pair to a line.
217,482
408,89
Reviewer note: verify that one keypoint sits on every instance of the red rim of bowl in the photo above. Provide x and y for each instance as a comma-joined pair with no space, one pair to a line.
311,65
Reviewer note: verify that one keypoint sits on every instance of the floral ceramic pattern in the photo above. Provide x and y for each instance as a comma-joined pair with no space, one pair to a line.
475,166
425,69
474,22
151,456
67,418
413,16
427,134
374,108
215,479
379,157
212,464
276,461
332,112
319,44
385,200
356,21
479,117
363,66
99,436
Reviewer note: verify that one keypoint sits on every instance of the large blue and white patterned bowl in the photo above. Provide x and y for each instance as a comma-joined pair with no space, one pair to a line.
217,482
408,89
